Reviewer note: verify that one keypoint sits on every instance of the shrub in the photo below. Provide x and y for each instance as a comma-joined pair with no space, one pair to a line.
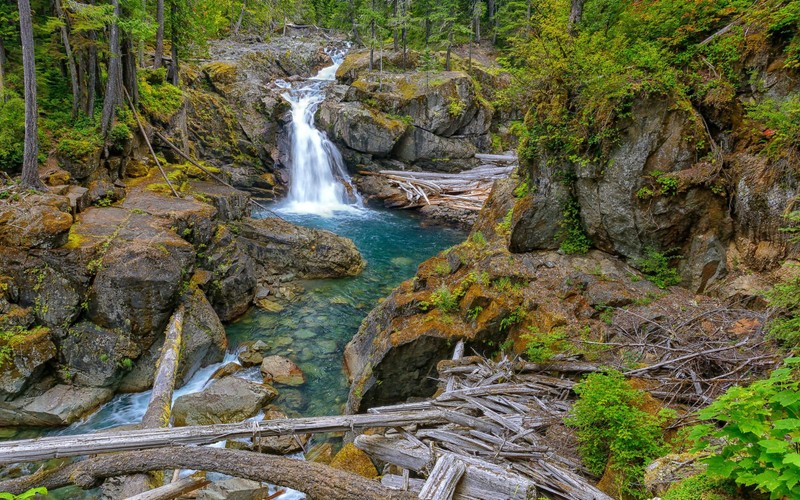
573,238
541,347
119,135
786,296
478,238
12,133
159,100
758,443
614,431
504,227
31,493
522,190
443,299
656,267
700,487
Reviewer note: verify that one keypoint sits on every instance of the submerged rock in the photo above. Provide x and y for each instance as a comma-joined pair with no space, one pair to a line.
227,400
282,371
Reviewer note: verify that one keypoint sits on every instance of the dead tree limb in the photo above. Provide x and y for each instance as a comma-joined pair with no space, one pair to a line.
31,450
314,479
173,490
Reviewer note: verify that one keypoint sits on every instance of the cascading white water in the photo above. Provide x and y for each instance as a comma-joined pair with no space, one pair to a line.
319,181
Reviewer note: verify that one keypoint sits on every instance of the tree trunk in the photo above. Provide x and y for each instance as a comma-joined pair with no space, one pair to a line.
30,161
394,31
114,82
316,480
575,14
129,79
159,54
241,16
174,69
2,71
73,71
92,80
141,40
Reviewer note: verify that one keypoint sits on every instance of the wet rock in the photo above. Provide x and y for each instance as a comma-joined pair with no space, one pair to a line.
361,128
227,400
35,221
29,351
93,356
60,405
269,305
203,341
234,489
420,144
232,284
281,247
282,371
351,459
225,370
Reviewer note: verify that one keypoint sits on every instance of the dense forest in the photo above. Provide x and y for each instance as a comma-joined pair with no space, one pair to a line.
659,140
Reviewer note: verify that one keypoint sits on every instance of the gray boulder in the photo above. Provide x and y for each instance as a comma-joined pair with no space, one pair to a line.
227,400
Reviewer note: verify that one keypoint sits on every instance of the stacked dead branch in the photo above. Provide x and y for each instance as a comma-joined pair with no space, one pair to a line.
466,190
692,355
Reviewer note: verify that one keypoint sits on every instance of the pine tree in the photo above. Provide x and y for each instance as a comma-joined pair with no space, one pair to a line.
30,161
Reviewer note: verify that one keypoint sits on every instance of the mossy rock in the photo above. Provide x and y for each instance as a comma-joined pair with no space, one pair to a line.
221,72
351,459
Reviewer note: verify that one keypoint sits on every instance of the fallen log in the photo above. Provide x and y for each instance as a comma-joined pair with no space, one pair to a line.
31,450
443,479
314,479
159,410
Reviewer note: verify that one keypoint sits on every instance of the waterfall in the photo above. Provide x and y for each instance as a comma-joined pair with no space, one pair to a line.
319,181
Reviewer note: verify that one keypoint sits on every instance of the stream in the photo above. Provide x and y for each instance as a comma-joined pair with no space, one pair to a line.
313,330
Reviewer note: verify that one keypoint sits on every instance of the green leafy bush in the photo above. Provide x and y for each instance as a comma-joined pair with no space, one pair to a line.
656,267
614,431
444,300
753,433
786,296
541,347
31,493
159,100
700,487
573,238
12,133
781,123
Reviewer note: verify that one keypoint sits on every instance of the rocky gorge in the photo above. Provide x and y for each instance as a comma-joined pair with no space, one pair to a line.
92,271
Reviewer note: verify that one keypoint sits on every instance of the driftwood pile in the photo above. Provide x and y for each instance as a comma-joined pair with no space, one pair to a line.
466,190
494,442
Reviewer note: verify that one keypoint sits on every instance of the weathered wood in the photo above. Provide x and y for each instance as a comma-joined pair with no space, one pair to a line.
496,158
400,452
173,490
395,482
159,410
31,450
316,480
443,479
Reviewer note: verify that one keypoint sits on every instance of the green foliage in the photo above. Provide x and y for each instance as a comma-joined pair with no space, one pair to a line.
442,268
753,433
785,296
474,312
668,184
573,238
656,267
522,190
456,107
613,430
700,487
479,239
516,316
158,100
504,227
119,135
444,300
12,133
31,493
541,347
780,122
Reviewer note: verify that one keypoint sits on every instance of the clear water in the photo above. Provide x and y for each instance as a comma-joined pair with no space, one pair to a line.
314,330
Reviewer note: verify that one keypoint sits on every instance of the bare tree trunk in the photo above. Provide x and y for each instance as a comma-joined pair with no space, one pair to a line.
174,69
316,480
30,162
372,45
2,71
114,82
395,46
575,15
92,80
73,71
241,16
159,54
129,79
140,51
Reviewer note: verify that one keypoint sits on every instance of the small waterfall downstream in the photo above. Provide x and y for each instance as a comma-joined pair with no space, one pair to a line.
320,184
